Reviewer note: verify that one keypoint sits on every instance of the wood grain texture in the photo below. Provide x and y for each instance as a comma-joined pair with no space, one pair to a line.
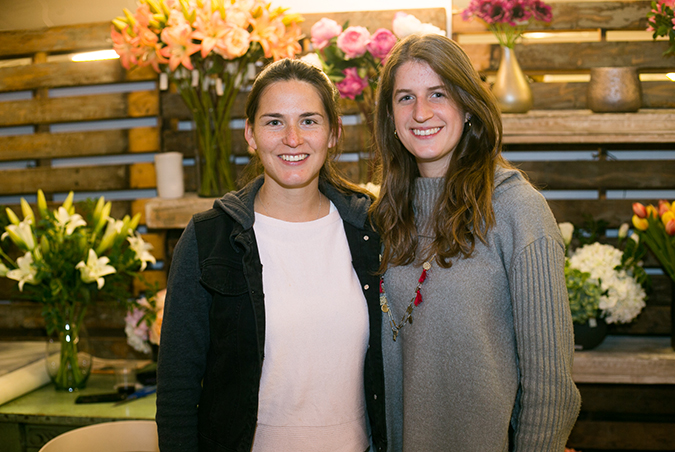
72,144
68,74
92,178
572,95
577,16
94,36
64,109
584,126
584,175
543,58
624,359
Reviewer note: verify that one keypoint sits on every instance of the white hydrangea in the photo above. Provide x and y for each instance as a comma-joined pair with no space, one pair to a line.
624,298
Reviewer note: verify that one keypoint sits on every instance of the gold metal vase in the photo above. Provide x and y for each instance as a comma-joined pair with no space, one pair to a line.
511,87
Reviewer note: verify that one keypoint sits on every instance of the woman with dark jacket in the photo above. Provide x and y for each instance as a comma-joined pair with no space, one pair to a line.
270,337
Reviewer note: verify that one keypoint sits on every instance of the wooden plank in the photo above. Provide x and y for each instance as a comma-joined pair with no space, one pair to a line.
572,95
93,36
91,178
64,109
143,103
51,75
174,213
142,175
628,399
71,144
158,242
616,436
613,211
373,20
609,174
584,126
542,58
625,359
144,139
577,16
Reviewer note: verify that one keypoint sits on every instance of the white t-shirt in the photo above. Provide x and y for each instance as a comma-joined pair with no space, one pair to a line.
316,335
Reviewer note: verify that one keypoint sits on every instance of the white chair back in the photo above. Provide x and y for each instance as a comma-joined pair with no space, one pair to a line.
122,436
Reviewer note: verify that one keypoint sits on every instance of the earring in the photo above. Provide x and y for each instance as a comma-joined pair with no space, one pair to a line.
468,123
395,134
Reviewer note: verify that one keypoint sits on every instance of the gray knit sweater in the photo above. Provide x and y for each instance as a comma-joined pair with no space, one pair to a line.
492,343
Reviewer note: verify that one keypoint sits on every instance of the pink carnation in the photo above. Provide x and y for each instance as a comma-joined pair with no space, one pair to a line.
381,43
353,41
323,31
352,85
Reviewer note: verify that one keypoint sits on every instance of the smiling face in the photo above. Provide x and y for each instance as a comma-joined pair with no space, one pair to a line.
291,134
428,121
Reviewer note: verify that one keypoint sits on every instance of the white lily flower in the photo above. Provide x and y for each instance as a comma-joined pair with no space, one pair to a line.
142,250
67,221
26,273
21,234
95,269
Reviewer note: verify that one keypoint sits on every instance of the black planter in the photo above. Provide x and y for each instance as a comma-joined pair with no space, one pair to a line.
587,337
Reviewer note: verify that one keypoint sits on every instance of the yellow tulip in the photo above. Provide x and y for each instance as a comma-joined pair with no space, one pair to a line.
667,216
640,223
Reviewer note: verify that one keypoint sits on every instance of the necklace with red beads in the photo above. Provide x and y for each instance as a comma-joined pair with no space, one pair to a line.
415,301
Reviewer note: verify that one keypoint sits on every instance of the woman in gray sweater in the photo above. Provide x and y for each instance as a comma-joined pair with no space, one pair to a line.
473,254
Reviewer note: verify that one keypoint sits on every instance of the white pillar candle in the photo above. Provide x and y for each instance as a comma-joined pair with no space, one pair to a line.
169,173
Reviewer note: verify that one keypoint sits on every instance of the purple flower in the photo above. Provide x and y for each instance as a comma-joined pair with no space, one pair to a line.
541,11
518,13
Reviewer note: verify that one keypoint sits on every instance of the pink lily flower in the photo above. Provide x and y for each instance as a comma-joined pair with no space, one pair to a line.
179,46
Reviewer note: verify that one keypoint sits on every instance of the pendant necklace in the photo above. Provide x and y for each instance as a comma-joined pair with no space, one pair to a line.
415,301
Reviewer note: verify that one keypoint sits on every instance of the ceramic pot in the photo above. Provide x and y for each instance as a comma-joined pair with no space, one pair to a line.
587,336
614,90
511,87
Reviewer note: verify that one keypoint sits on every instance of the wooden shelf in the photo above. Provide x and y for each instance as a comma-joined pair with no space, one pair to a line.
584,126
174,213
627,359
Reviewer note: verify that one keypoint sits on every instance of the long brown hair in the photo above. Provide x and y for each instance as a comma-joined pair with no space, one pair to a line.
287,70
464,211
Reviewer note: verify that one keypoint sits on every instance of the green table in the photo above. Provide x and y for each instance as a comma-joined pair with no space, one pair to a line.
28,422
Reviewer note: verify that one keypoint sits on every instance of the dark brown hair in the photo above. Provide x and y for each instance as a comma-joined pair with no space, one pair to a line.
464,211
287,70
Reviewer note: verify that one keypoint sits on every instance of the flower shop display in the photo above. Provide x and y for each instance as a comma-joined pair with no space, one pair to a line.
507,20
352,56
66,261
661,20
656,227
144,323
605,284
208,49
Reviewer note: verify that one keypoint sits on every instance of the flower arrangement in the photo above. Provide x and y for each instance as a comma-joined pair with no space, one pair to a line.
661,20
144,322
207,48
508,19
656,227
353,57
67,261
603,281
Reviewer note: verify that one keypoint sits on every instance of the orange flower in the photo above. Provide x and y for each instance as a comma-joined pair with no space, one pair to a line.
125,47
670,227
179,46
639,210
664,206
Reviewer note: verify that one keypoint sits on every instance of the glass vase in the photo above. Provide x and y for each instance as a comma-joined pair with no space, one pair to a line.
213,147
68,357
511,87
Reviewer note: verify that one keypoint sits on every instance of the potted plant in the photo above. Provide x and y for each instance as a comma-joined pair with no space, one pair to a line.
605,284
66,261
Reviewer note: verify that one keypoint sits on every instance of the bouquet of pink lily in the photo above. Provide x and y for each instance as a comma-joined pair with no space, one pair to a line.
508,19
208,49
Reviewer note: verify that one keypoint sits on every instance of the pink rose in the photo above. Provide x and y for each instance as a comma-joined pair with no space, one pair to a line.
381,43
353,41
323,31
352,85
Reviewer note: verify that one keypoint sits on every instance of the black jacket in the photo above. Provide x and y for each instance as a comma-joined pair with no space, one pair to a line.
214,322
